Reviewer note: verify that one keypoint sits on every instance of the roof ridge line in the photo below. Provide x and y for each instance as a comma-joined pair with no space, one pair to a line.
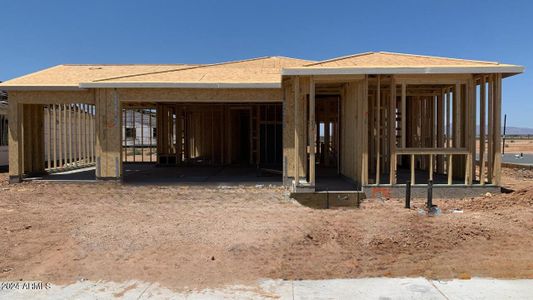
440,57
339,58
183,69
288,57
161,64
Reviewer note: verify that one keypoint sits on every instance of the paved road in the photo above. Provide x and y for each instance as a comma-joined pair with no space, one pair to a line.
516,158
364,288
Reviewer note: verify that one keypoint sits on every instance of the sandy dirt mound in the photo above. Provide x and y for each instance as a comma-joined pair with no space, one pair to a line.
205,237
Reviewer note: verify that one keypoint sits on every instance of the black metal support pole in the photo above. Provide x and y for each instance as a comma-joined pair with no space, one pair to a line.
430,194
504,129
327,198
408,194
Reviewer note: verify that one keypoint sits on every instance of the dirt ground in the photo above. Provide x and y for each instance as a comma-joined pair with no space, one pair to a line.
516,145
195,237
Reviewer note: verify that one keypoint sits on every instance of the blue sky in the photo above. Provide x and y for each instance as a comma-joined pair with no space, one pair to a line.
38,34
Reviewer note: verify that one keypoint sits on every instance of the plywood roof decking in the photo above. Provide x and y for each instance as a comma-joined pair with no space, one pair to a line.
387,59
399,63
73,75
257,70
264,72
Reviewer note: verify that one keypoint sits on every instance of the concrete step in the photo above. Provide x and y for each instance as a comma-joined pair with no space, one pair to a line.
329,199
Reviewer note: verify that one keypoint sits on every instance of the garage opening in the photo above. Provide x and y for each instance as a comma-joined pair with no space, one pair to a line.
203,143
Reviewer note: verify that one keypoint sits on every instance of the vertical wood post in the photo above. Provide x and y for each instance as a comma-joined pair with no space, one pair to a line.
412,169
450,169
48,138
482,124
497,129
472,130
296,85
54,136
108,135
448,118
61,133
431,167
490,135
392,131
364,132
78,130
440,131
69,122
378,130
404,114
312,132
457,125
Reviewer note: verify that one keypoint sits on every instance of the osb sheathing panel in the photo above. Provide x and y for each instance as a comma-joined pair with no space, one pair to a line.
201,95
351,140
26,139
258,70
263,70
73,75
51,97
15,139
289,123
387,59
33,133
108,134
348,137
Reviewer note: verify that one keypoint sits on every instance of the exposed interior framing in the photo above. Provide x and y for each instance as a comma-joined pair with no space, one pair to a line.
210,134
399,128
69,136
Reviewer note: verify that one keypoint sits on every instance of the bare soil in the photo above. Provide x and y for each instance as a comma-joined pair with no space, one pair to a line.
199,237
515,146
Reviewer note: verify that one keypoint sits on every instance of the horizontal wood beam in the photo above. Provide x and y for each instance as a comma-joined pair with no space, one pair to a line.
433,151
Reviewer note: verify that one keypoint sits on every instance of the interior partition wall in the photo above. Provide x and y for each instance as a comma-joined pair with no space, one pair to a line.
218,134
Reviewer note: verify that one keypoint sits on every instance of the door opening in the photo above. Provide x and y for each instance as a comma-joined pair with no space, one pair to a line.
240,136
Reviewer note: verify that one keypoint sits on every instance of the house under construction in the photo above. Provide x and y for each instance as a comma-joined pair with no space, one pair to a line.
366,122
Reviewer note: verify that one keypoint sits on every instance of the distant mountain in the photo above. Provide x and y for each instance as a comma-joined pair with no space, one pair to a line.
518,131
513,130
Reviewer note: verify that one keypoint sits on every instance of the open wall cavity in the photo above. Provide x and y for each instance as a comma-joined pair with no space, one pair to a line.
393,129
219,134
69,135
425,128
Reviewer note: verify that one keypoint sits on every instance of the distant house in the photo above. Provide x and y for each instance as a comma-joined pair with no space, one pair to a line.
139,136
139,128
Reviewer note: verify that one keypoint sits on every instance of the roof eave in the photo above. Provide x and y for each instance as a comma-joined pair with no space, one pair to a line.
400,70
191,85
40,88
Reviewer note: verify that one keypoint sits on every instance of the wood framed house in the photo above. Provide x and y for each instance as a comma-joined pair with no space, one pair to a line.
364,122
